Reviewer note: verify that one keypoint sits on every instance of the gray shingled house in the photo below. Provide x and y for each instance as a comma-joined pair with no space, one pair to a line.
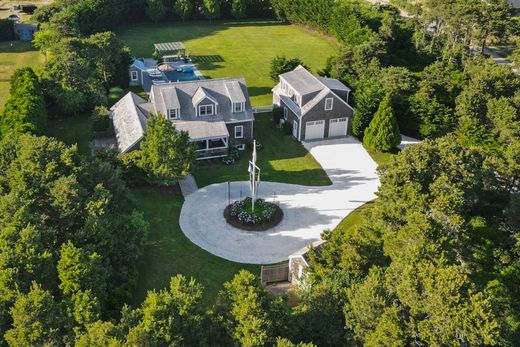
316,107
216,113
299,262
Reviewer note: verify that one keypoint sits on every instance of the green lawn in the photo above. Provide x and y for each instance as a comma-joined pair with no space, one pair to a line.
283,159
355,217
382,157
18,55
72,130
168,252
235,49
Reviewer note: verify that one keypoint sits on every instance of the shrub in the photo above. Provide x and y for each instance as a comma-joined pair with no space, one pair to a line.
281,64
277,114
100,119
287,128
383,131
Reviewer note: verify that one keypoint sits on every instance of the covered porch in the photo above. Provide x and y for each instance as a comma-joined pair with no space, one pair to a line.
211,138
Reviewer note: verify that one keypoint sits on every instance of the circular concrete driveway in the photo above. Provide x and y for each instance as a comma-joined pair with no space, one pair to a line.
307,210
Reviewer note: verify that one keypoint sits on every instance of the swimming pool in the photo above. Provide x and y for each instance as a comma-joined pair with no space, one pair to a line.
175,76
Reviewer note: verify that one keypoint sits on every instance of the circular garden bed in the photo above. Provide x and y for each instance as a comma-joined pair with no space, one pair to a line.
240,215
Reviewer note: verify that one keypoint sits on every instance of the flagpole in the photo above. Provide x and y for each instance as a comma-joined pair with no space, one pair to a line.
254,169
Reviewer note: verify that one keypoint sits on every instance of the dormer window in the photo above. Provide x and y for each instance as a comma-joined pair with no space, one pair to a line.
237,107
173,113
133,75
206,110
328,104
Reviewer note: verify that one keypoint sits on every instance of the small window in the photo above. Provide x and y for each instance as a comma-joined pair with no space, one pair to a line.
240,147
328,104
172,113
285,113
206,110
237,107
239,131
134,76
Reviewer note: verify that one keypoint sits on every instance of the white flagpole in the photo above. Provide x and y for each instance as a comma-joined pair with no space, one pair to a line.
254,181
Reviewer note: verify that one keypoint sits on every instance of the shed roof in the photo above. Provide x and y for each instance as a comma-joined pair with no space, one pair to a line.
169,47
302,81
129,121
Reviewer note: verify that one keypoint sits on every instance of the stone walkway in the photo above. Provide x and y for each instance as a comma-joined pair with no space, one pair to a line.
188,185
307,210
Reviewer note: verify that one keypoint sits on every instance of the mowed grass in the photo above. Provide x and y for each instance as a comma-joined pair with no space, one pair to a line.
75,130
14,55
355,217
235,49
283,159
168,252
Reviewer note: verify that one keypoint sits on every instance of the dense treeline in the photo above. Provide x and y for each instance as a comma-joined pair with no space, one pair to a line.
68,238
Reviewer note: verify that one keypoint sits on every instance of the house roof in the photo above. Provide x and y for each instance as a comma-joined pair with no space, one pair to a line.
333,84
19,26
199,130
302,81
129,116
235,92
169,47
189,92
303,253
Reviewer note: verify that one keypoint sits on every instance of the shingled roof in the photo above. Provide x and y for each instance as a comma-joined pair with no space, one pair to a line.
129,116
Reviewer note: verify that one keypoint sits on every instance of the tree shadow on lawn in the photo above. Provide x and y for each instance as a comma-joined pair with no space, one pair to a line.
256,91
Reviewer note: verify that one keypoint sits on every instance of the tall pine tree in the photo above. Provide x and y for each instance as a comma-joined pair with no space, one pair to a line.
383,132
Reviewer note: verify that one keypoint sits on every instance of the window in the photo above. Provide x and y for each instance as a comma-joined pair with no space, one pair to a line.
285,113
172,113
216,143
239,131
328,104
206,110
240,147
237,107
133,75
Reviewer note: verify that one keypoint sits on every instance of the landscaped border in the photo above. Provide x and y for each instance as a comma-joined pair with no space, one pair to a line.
233,221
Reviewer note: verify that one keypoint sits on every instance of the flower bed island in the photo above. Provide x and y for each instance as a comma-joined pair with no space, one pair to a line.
240,215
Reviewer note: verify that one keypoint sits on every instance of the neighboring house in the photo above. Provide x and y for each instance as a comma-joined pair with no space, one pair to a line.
216,113
299,262
25,32
316,107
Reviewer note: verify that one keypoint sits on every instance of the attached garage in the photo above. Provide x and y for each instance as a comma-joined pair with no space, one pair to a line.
338,127
315,130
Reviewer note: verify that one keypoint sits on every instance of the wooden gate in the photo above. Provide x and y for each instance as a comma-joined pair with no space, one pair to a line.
274,273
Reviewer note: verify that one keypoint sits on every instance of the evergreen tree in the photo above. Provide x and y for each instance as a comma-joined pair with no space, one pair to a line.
25,110
281,64
156,10
238,8
183,8
383,131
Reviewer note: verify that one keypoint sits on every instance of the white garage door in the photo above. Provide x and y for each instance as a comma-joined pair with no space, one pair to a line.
315,130
338,127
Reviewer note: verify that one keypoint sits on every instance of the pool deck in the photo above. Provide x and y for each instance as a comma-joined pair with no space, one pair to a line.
148,81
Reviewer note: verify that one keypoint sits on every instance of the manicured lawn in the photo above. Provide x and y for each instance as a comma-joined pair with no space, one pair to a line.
355,217
72,130
18,55
168,252
382,157
235,49
283,159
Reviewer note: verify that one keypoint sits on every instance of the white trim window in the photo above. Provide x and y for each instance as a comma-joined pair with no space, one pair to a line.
240,147
173,113
206,110
328,104
237,107
285,113
134,76
239,131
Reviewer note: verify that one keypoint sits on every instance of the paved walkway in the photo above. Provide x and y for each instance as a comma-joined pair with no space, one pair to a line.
407,141
188,185
307,210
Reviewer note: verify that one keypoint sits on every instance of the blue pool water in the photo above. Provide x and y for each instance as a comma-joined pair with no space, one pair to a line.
174,76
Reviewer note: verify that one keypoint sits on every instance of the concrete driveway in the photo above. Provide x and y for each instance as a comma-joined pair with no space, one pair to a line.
307,210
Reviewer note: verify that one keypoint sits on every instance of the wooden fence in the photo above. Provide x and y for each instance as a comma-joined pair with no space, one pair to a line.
274,273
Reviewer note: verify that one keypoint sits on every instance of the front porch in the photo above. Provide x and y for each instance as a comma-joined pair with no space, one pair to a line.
210,148
211,138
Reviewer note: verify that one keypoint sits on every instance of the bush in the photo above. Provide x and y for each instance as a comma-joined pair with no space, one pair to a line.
383,131
277,114
287,128
100,119
281,64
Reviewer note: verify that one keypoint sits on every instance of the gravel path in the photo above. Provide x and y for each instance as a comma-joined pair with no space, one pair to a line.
307,210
